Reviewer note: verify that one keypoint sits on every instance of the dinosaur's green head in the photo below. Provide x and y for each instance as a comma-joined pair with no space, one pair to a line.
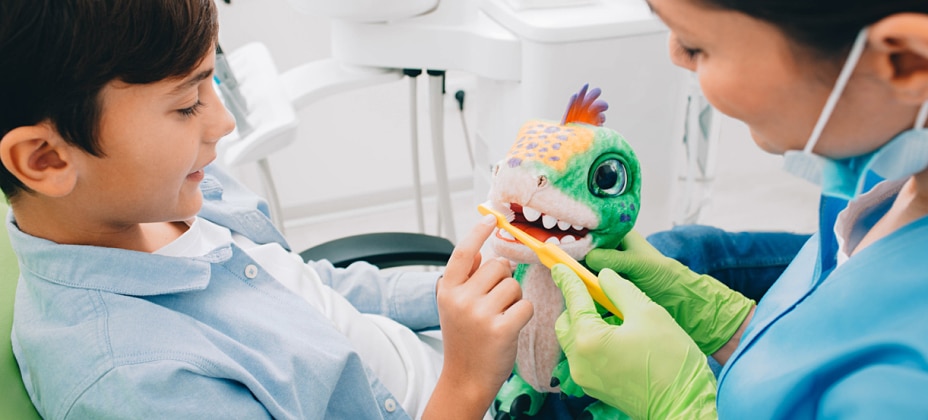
575,183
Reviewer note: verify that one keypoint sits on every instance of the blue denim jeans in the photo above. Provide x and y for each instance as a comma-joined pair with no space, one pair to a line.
748,262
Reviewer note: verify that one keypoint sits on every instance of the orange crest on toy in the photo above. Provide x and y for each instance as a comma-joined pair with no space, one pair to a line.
585,108
550,143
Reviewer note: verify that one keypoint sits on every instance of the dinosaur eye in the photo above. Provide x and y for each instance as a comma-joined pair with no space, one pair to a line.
609,177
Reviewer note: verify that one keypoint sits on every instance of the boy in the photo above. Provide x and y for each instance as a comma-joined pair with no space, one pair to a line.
154,286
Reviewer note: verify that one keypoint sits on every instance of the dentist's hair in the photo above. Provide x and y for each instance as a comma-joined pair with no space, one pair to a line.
57,55
827,27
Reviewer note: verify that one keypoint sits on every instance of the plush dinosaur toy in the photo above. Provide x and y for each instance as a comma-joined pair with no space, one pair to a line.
576,184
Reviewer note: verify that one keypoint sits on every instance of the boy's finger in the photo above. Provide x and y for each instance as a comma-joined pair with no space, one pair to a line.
463,258
489,275
505,292
478,260
519,313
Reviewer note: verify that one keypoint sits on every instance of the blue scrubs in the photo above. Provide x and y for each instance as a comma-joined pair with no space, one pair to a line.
845,342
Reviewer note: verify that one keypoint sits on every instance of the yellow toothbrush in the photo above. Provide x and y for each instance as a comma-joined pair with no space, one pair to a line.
550,254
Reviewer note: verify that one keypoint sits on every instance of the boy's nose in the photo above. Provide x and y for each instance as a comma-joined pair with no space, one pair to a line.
222,123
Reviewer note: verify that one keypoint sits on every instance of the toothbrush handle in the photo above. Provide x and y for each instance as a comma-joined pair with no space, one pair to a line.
589,279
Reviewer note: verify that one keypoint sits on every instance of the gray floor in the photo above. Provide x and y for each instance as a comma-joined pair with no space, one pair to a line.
750,192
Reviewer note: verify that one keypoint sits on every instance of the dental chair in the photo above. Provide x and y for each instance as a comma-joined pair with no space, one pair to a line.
384,250
14,401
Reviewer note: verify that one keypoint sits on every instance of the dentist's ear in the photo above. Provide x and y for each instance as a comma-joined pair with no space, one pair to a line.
900,42
40,159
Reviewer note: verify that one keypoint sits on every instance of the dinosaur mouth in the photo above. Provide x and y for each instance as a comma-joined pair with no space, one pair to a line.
541,226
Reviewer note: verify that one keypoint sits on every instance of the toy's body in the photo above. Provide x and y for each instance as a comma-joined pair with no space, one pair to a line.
576,184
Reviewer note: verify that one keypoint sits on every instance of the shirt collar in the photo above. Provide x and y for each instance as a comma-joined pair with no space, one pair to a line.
109,269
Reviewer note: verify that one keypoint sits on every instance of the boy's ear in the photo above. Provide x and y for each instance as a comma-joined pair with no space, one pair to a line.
901,44
40,159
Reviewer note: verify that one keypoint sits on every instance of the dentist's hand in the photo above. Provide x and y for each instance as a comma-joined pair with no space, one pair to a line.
647,367
706,309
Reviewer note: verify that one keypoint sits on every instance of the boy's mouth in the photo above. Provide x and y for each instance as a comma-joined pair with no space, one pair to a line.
196,175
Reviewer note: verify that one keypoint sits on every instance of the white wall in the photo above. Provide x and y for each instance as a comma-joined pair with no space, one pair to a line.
353,149
751,191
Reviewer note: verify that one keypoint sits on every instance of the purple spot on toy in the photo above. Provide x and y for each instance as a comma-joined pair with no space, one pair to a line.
514,162
531,132
552,129
561,137
543,149
632,207
625,218
529,155
556,146
532,145
554,158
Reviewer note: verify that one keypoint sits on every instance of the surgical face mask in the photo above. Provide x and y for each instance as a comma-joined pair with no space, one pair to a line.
901,157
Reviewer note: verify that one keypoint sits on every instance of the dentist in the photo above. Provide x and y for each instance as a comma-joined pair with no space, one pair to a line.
840,88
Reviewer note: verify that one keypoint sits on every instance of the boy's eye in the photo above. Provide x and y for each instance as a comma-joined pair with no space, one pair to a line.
192,110
689,53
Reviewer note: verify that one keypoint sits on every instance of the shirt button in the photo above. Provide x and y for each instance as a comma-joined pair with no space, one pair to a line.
390,405
251,271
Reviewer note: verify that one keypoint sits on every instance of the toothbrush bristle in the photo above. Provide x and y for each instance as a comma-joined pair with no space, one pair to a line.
506,213
509,214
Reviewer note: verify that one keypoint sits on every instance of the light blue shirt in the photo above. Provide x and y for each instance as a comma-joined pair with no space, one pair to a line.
110,333
848,342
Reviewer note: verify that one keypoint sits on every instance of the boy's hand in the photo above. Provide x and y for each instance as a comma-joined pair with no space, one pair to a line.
481,311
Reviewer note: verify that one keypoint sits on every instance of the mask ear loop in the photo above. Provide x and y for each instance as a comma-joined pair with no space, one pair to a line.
922,119
856,51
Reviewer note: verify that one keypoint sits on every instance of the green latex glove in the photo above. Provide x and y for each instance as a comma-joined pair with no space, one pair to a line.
706,309
647,367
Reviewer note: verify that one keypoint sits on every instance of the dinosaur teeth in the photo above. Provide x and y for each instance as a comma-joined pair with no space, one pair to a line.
554,240
530,214
568,239
548,221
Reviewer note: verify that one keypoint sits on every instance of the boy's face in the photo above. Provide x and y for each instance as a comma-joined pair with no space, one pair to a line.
157,138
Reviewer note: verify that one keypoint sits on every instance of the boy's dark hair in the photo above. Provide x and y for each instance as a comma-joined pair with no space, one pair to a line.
826,27
57,55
